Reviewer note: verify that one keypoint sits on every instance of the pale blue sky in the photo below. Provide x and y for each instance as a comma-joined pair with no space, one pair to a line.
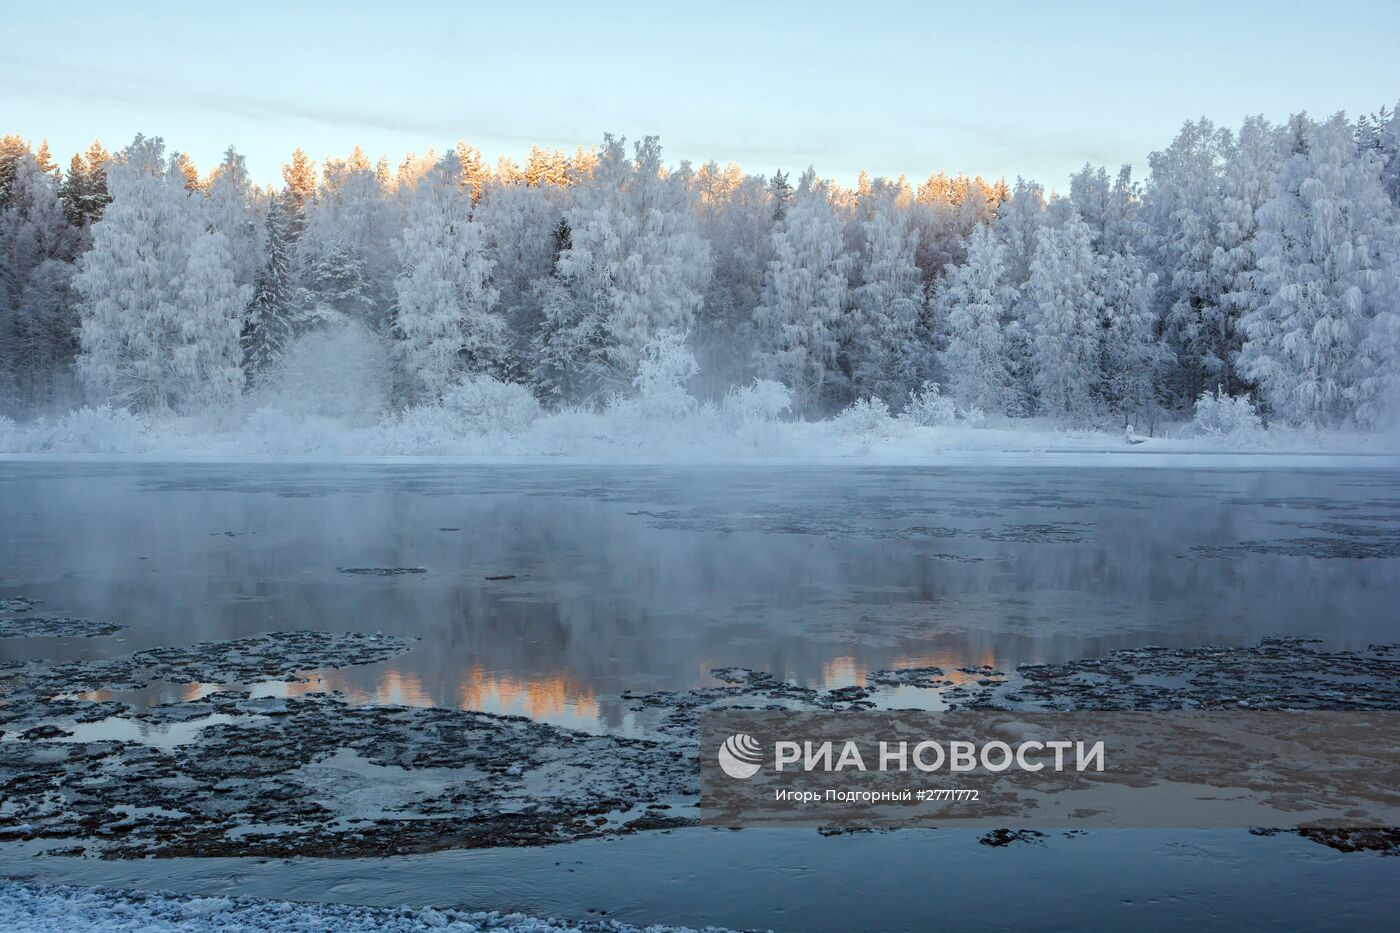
999,88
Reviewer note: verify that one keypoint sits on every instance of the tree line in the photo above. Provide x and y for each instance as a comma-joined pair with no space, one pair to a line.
1262,261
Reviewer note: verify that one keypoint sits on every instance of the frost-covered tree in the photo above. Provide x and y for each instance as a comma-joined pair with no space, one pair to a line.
1018,226
1379,133
1262,263
291,288
519,225
475,172
1109,207
345,251
160,312
233,206
884,355
333,285
805,297
974,299
1131,356
635,266
272,316
298,191
780,191
1063,314
206,369
1247,184
735,212
84,188
945,210
1327,250
446,305
1184,230
37,246
12,150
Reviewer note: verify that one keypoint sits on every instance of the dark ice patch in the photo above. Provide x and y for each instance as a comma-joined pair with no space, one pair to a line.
55,627
382,571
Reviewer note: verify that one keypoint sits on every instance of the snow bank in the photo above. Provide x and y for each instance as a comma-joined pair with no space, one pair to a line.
313,410
28,906
492,420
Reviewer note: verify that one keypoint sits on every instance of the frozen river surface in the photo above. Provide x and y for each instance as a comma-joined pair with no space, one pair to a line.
547,591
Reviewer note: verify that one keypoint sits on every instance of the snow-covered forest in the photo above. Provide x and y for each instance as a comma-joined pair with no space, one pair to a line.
1252,277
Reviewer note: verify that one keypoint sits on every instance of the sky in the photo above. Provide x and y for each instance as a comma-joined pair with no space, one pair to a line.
1003,89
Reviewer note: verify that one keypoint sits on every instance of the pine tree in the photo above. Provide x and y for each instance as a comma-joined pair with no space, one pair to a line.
475,172
84,189
271,316
45,160
545,167
781,193
182,164
12,149
298,192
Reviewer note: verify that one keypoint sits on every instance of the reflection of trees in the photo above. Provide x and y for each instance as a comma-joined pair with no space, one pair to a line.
802,573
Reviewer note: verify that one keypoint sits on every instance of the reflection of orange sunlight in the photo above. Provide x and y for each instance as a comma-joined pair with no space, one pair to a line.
950,662
394,688
399,689
843,672
544,697
191,692
550,695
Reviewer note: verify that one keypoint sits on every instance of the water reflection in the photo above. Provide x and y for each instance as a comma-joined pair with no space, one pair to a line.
646,579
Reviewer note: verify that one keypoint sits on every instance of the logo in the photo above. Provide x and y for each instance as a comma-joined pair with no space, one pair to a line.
740,756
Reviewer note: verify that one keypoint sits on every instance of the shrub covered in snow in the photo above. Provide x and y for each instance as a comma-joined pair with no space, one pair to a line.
480,411
483,405
762,402
867,417
341,371
270,430
973,417
667,367
1226,416
99,430
928,407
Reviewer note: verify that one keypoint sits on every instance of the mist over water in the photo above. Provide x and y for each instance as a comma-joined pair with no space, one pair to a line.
621,578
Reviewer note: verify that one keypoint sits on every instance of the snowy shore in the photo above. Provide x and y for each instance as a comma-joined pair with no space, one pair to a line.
702,436
28,906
